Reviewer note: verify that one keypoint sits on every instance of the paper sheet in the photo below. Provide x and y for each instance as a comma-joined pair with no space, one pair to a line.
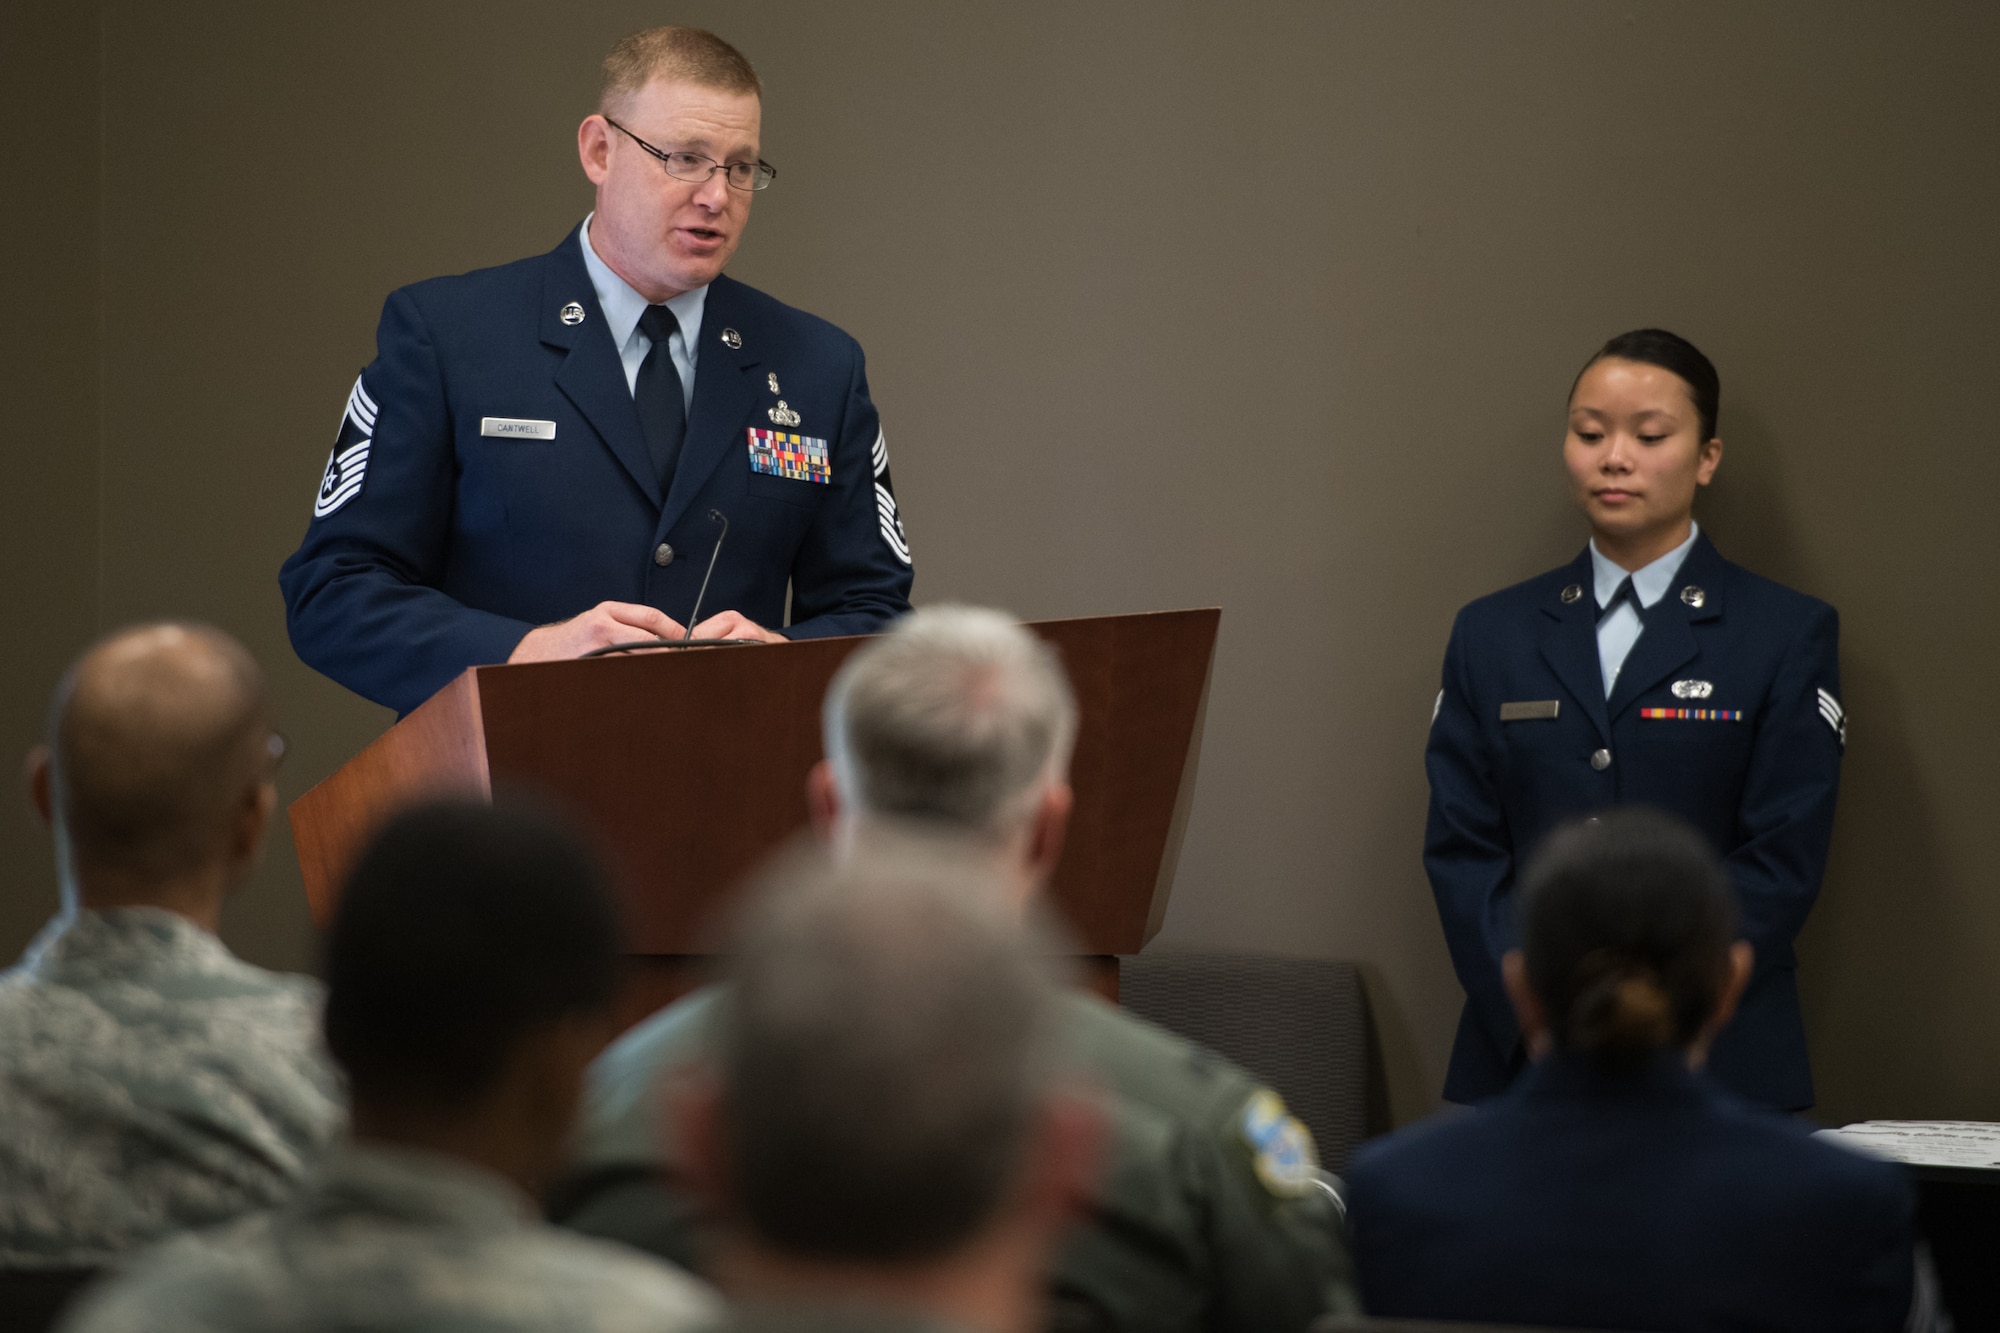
1969,1143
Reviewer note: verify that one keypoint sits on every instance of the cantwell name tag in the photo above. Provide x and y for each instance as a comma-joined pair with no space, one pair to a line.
1529,710
514,428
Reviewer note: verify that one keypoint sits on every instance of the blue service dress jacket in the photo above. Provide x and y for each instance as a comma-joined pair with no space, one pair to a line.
1645,1200
491,475
1726,713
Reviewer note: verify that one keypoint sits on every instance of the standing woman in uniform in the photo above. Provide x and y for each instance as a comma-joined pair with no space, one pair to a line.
1647,671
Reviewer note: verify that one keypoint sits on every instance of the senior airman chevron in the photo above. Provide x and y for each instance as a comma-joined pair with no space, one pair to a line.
1695,714
776,454
1835,715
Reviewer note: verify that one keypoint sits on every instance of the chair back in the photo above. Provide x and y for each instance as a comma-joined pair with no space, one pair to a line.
1300,1025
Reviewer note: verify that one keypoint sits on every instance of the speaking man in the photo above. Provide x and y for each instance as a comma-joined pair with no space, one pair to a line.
542,457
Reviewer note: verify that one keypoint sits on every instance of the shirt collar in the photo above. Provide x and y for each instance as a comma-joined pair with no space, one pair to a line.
1649,582
421,1186
622,305
125,943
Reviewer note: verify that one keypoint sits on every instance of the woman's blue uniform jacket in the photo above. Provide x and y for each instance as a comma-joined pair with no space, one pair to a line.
1759,780
449,523
1647,1200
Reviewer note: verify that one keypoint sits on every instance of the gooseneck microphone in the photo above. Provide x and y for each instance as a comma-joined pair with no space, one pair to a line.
714,516
687,639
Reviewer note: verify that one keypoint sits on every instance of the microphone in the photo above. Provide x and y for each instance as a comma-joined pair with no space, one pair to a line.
687,640
715,516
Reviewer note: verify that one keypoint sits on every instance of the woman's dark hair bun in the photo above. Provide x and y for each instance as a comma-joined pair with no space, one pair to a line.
1626,922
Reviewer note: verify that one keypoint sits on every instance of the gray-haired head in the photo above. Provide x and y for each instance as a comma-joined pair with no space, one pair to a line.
958,716
884,1049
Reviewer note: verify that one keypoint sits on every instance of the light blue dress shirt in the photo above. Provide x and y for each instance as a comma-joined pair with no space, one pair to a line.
622,307
1617,632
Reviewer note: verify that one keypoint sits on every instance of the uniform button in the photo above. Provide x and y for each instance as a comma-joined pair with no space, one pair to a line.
663,555
1600,759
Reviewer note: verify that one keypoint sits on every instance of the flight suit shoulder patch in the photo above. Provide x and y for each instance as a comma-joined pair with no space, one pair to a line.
1281,1147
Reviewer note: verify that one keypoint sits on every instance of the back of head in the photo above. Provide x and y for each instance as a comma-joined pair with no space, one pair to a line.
679,55
158,736
1626,923
884,1049
463,928
958,716
1671,352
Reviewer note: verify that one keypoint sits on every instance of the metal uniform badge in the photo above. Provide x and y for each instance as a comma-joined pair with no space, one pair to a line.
732,339
1281,1148
1570,594
1692,689
1693,596
782,415
571,314
772,379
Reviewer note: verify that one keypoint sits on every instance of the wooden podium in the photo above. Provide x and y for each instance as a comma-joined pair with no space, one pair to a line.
690,767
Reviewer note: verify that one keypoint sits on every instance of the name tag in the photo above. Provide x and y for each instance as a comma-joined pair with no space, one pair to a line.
1529,710
515,428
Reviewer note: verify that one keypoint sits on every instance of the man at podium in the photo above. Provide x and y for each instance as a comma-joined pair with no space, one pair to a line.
543,458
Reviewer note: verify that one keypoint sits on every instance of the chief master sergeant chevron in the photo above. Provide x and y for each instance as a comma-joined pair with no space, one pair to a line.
527,469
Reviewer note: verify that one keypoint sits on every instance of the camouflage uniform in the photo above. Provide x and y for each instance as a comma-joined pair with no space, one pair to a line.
394,1240
150,1082
1207,1216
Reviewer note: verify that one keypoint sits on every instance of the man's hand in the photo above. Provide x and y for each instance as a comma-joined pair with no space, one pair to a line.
735,625
599,627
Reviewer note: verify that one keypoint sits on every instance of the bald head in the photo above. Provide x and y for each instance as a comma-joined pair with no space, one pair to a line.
159,754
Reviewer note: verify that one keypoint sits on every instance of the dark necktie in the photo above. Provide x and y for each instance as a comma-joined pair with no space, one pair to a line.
1624,593
657,394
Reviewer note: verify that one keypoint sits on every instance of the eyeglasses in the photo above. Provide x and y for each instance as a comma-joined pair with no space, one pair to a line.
694,167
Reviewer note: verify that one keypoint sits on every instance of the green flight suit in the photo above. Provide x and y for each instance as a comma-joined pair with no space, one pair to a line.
1208,1215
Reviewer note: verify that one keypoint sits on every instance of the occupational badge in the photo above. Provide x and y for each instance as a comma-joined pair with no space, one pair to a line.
1692,689
776,454
782,415
347,464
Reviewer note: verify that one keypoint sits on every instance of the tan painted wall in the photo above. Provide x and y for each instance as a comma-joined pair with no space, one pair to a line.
1271,306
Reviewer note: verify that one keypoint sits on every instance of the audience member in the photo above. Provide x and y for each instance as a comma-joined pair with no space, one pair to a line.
1211,1213
883,1126
1614,1186
150,1081
470,970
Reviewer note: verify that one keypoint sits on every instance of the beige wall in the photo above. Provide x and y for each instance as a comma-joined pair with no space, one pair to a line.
1271,306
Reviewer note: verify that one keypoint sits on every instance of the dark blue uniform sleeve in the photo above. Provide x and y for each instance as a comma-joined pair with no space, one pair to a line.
1468,848
361,596
853,572
1786,815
